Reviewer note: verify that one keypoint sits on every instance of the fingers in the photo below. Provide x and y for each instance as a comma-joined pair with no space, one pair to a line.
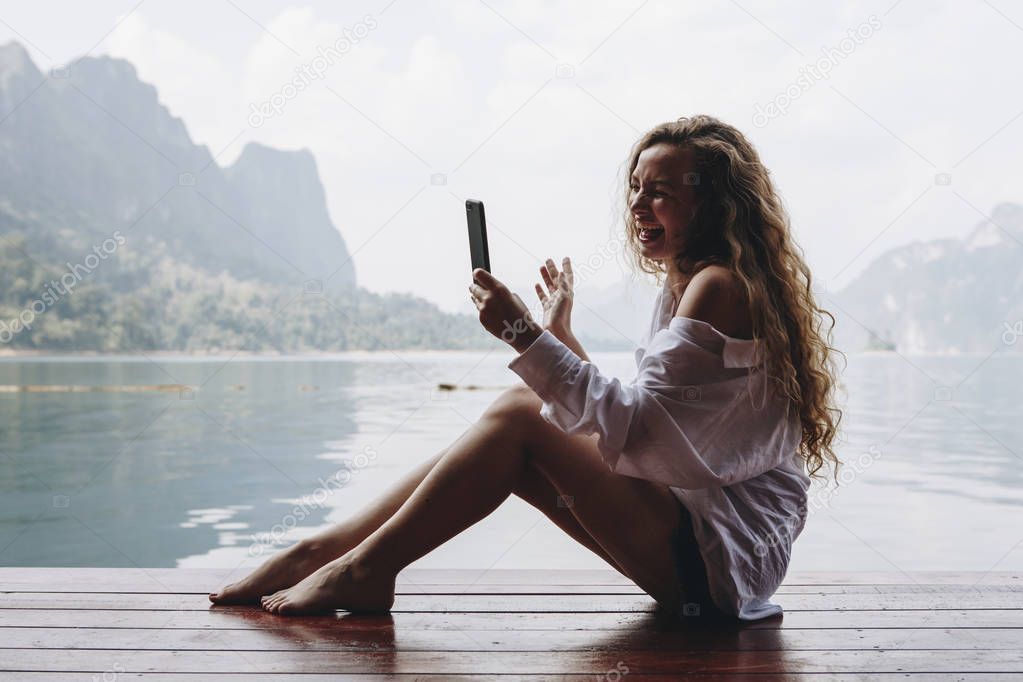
552,268
476,292
540,292
551,277
485,279
547,277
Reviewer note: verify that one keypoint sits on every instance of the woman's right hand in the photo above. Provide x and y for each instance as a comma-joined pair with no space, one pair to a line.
557,300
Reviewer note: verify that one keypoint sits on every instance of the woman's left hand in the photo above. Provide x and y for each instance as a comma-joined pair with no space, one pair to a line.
502,312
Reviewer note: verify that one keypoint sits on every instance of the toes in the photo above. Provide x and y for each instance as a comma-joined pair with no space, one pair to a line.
231,594
272,602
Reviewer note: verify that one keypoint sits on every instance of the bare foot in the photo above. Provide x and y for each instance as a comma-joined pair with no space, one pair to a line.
342,584
281,570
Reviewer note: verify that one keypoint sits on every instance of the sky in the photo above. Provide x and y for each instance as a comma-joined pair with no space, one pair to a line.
882,123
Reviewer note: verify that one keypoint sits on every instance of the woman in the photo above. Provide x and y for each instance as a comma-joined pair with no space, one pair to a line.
690,481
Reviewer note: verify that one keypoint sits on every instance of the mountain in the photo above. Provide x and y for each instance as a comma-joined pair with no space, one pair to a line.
939,296
91,149
288,209
119,234
246,257
936,296
613,317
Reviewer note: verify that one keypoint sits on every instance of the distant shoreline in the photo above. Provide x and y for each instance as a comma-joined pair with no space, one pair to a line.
7,355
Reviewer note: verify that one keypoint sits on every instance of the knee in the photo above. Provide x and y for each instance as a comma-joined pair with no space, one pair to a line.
515,404
520,393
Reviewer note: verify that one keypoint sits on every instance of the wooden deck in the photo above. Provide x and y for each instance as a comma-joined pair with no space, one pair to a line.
116,624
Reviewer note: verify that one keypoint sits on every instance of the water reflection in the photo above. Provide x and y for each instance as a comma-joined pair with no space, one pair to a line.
452,642
236,469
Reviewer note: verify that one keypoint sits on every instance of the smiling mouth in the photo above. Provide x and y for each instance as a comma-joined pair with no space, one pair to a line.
649,233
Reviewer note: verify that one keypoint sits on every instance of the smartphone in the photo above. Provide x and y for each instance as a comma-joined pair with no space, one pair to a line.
478,251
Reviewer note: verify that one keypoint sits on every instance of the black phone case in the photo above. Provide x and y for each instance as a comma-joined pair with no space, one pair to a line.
478,251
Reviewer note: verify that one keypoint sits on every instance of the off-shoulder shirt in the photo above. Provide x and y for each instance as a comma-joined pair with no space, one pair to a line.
701,418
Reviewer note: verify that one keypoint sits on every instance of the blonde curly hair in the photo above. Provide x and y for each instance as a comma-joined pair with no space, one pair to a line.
740,223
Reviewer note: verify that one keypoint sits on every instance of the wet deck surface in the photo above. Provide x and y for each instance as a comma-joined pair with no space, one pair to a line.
118,624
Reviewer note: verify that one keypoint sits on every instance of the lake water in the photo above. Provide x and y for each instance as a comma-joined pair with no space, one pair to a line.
233,471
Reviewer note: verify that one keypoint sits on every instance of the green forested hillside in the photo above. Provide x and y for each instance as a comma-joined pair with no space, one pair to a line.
154,303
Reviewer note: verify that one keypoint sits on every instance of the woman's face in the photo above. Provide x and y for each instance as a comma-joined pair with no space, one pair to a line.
662,198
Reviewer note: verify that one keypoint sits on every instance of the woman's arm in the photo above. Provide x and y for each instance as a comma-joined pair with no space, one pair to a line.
678,423
681,422
664,427
568,338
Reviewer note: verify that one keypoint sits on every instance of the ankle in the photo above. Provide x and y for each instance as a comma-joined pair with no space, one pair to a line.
362,567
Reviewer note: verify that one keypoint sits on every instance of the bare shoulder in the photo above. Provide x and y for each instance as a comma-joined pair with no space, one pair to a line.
716,296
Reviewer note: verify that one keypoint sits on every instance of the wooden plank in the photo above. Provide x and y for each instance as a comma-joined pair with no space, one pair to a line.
426,588
312,636
521,662
157,623
317,677
519,603
173,579
255,618
165,579
114,587
420,677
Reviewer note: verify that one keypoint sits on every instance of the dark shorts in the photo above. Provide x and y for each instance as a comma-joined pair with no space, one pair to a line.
695,599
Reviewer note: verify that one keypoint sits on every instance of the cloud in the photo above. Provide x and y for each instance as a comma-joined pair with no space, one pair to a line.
192,83
455,88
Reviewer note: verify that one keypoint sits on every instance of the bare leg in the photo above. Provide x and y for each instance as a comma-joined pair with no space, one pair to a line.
472,479
536,489
476,475
291,565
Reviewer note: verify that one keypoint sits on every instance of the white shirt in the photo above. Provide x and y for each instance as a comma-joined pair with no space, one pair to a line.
698,419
